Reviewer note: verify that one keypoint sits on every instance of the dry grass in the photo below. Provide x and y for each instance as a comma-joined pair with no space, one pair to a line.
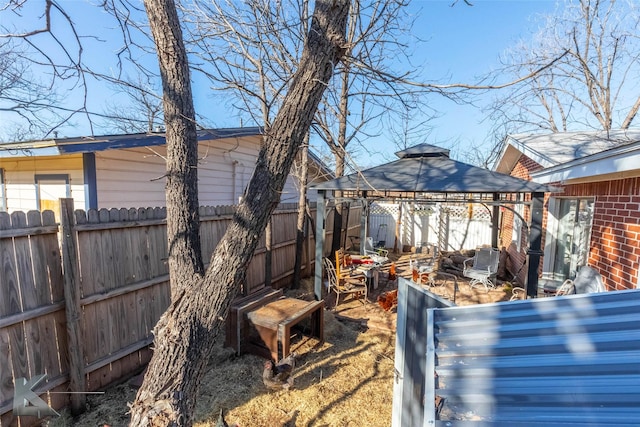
347,381
334,384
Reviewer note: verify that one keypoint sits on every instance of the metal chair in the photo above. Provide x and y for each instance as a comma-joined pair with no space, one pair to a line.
587,281
518,293
426,274
378,255
344,284
482,268
422,272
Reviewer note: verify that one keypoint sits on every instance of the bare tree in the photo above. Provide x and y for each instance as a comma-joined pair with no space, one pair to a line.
185,334
187,330
368,90
142,114
592,85
261,41
23,95
249,51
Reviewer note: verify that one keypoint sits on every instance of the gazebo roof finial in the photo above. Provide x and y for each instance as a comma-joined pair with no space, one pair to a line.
423,150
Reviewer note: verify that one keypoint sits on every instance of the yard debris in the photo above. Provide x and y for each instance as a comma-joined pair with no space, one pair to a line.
388,300
392,272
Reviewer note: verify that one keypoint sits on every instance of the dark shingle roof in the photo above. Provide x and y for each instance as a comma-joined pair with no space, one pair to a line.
428,169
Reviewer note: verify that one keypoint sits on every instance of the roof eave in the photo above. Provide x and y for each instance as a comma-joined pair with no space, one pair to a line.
523,148
78,145
616,160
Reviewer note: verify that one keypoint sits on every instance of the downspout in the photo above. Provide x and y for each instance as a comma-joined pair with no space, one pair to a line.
234,187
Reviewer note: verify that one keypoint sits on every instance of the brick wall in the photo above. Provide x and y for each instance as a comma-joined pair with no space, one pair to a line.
517,260
615,234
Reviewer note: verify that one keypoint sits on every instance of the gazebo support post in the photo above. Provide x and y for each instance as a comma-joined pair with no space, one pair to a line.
535,244
364,221
495,221
320,236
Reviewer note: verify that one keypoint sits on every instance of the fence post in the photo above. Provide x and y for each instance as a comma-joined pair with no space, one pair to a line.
72,307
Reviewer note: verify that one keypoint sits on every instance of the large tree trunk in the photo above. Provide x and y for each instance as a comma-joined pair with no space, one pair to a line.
186,332
183,221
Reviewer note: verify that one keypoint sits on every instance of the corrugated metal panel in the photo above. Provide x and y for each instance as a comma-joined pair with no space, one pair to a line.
571,360
411,338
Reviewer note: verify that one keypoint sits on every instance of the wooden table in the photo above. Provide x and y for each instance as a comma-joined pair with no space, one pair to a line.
274,322
370,270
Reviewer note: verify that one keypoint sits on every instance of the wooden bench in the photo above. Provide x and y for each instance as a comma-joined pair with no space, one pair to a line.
274,322
237,327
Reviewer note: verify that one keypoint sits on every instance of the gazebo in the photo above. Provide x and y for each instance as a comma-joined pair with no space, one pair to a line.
426,173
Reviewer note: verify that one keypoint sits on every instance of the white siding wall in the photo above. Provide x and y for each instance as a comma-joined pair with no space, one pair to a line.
130,177
20,179
225,168
290,191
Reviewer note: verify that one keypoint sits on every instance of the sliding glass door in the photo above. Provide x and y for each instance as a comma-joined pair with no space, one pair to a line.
570,223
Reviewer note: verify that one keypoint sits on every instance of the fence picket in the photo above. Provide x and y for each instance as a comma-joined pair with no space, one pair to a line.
72,306
6,377
10,295
115,294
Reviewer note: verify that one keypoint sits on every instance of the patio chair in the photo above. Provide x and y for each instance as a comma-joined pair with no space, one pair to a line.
378,255
482,268
355,285
422,271
518,293
587,281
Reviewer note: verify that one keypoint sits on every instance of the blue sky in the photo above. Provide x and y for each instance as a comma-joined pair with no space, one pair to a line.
461,44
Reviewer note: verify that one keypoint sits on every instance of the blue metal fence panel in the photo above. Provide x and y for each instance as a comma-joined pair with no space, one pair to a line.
571,360
411,347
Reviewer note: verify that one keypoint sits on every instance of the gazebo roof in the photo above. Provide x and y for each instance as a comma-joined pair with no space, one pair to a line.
425,168
421,172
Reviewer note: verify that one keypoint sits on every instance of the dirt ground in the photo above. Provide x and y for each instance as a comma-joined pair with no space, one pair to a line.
374,317
345,381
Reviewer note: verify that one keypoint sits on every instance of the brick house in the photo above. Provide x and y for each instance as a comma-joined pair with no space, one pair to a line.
594,220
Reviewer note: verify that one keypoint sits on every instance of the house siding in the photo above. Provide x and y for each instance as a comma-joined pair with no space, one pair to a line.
20,179
102,176
135,177
130,177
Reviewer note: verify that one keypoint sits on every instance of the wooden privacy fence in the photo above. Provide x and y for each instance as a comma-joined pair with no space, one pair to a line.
92,325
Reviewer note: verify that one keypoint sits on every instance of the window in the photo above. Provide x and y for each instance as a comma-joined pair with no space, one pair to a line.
50,188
